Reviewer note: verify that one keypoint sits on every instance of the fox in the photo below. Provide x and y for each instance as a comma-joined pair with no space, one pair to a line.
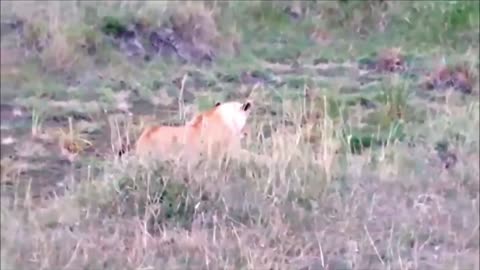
217,130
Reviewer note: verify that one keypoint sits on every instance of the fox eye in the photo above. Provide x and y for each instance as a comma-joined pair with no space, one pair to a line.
217,104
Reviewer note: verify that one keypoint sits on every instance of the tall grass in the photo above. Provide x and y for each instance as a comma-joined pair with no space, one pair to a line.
321,183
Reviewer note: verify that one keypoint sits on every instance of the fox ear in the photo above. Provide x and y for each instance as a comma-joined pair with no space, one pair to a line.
217,104
246,106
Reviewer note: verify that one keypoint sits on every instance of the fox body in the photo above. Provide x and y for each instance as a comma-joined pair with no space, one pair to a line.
214,131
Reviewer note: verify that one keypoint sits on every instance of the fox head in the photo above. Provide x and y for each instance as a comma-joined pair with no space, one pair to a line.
234,114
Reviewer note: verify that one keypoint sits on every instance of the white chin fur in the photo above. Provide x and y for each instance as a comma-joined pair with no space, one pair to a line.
233,115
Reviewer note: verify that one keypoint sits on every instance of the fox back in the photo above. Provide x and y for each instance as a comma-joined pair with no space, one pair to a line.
214,131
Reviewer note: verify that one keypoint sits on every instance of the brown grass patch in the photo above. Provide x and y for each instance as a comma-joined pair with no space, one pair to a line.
391,60
72,143
461,77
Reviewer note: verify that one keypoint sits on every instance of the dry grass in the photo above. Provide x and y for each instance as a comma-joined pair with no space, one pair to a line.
71,143
288,204
391,60
44,31
303,193
461,76
57,33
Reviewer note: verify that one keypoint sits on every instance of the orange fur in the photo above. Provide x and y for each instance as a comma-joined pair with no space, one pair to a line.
210,132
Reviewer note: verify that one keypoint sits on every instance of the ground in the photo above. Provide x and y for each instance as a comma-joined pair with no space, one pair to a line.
364,138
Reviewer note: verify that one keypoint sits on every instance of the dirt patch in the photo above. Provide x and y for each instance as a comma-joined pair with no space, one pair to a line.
40,162
15,121
30,165
13,115
334,71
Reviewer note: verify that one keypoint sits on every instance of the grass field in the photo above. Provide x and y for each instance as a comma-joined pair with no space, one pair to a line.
366,119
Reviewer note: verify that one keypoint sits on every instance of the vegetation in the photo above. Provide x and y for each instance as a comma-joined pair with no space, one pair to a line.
364,142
